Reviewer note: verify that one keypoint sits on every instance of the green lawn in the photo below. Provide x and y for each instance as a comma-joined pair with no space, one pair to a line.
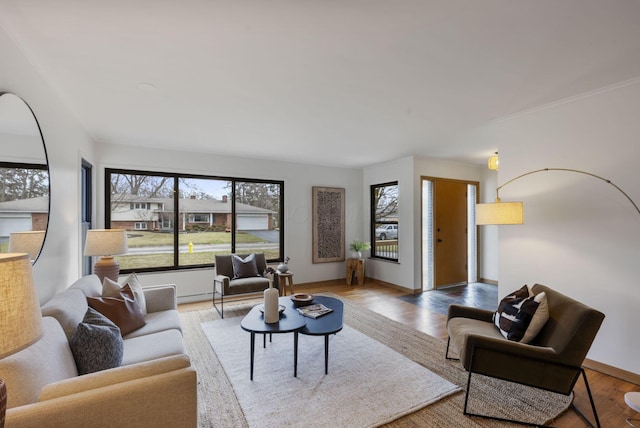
152,239
185,259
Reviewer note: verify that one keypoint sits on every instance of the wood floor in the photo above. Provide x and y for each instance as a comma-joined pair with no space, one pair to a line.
608,391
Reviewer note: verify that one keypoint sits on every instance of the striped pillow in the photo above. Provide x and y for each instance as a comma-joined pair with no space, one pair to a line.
521,315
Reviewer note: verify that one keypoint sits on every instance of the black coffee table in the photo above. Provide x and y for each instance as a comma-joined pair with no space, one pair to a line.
325,325
290,322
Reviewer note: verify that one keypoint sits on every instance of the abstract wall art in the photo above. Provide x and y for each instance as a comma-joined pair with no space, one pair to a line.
328,224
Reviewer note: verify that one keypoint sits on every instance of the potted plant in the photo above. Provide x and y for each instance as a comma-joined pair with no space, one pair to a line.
357,247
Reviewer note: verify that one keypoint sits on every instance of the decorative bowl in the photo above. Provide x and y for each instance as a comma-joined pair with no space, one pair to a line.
301,299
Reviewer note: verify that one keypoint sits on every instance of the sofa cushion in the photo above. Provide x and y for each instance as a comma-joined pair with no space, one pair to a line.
151,346
158,321
97,344
244,268
46,361
123,311
68,307
516,312
111,288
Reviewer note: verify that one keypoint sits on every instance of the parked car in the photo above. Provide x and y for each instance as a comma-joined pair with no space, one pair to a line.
387,231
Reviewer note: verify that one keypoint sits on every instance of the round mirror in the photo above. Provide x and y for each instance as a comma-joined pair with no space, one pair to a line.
24,179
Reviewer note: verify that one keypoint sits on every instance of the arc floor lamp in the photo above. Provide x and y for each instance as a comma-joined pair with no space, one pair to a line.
513,212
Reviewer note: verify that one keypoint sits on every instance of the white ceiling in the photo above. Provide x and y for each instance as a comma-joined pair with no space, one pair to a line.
330,82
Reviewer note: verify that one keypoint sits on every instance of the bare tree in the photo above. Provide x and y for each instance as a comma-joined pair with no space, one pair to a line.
23,183
386,202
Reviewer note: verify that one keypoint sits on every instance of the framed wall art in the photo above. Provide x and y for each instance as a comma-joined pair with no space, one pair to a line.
328,224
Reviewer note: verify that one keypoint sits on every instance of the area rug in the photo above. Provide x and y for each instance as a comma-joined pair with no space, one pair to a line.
219,407
364,375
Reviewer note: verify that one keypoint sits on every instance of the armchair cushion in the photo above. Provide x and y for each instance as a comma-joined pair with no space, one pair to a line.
244,268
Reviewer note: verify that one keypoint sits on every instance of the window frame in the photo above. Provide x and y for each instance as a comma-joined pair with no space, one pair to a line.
375,222
176,178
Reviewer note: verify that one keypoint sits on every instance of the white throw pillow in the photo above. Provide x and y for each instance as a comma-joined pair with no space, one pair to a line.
111,288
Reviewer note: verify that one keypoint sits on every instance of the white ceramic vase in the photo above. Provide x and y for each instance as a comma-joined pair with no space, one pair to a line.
271,313
283,268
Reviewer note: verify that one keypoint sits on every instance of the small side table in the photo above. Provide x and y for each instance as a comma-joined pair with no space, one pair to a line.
633,401
285,279
355,267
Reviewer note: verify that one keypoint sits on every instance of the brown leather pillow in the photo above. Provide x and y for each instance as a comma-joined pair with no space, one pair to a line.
123,311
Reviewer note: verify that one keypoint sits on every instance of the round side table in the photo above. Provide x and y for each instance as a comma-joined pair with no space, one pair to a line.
633,400
285,279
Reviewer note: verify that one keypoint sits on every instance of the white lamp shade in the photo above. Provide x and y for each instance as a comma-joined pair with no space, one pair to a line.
28,242
105,242
20,316
493,162
500,213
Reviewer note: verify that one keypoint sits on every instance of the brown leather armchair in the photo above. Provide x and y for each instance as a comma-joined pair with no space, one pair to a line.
552,361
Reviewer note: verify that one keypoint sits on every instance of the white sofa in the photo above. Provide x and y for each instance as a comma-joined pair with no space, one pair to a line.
155,386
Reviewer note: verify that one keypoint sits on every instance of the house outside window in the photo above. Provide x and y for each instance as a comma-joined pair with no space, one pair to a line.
183,221
384,221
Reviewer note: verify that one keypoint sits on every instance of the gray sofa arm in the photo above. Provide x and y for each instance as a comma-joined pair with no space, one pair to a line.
161,297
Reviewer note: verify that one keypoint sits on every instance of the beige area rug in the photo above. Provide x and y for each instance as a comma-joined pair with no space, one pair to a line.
363,375
219,407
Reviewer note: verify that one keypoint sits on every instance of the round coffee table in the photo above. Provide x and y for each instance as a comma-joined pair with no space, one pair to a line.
324,325
290,322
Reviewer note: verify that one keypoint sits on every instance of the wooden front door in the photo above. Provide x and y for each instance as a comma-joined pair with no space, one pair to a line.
450,232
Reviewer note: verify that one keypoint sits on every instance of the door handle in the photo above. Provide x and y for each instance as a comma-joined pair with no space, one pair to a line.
439,240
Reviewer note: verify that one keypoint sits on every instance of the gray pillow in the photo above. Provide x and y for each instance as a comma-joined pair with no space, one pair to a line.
246,268
97,344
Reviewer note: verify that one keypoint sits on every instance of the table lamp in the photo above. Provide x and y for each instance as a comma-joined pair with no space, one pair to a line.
106,243
20,316
28,242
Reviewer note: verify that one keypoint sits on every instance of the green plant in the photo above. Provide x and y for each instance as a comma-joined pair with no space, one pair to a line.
359,246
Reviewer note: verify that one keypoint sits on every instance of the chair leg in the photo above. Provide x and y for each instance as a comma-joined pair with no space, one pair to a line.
495,418
593,405
446,354
584,377
221,310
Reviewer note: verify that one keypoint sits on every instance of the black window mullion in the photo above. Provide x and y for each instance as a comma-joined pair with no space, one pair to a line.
176,222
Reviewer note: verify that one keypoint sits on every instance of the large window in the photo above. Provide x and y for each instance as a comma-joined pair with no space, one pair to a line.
179,221
384,221
24,200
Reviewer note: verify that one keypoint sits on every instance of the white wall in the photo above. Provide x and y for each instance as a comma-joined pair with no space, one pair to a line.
58,264
401,272
298,182
581,236
407,272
